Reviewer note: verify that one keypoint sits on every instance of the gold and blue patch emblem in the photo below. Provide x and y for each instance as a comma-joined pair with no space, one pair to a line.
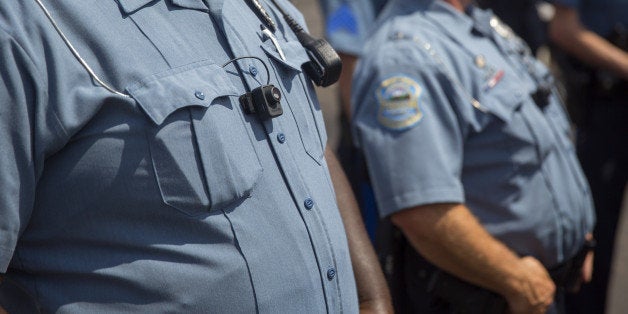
398,99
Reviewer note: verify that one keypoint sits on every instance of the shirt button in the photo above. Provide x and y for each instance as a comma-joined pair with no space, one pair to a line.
253,70
309,203
200,95
331,273
281,138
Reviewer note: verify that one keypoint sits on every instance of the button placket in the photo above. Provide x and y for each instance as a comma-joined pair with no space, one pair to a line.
290,165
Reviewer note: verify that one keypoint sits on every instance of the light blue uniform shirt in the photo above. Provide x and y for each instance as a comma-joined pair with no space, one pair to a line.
443,113
600,16
349,23
173,199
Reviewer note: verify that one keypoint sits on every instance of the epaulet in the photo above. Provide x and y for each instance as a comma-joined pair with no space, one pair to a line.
501,28
504,31
423,44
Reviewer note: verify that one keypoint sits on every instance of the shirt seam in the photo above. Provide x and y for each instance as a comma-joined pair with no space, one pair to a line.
37,77
31,60
418,197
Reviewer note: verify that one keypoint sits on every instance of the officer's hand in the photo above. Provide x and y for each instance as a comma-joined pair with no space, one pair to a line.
535,289
586,272
587,268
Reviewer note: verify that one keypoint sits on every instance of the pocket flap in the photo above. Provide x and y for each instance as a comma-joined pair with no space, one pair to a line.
503,101
195,85
130,6
295,54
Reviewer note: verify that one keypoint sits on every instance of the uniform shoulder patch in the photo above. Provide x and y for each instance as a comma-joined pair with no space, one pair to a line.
398,99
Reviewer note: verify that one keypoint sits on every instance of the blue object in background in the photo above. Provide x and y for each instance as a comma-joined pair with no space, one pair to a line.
342,20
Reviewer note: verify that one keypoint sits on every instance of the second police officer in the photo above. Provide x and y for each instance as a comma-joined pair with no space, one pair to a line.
593,38
469,152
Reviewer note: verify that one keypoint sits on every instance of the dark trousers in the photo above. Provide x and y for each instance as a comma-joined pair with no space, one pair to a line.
410,277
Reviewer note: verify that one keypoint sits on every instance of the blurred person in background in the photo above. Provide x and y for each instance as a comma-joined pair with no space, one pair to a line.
348,24
592,37
523,17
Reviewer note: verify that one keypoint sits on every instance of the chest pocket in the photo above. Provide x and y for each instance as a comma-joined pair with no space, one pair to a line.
300,96
530,135
201,152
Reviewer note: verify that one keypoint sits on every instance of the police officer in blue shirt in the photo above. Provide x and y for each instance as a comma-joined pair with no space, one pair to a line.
169,156
469,153
348,24
593,35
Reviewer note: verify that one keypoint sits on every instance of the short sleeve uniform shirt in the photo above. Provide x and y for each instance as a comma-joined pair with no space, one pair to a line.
169,199
445,112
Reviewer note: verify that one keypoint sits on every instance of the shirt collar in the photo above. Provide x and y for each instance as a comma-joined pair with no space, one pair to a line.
458,24
449,19
132,6
482,20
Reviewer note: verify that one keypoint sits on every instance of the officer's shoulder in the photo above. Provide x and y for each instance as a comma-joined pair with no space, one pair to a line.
396,41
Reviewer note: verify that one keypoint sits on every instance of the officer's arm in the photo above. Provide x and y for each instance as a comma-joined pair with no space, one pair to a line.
567,31
586,272
449,236
373,292
346,76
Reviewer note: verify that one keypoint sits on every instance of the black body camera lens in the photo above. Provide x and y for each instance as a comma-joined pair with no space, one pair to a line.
272,96
265,101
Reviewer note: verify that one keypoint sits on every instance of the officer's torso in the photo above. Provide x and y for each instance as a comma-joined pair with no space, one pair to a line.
519,171
174,199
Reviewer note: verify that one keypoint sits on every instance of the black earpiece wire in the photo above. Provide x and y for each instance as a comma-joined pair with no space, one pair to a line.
251,57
